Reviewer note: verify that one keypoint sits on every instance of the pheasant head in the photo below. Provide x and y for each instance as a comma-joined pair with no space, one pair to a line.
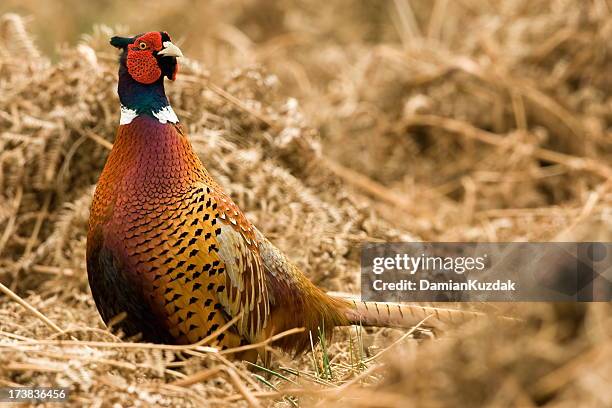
145,61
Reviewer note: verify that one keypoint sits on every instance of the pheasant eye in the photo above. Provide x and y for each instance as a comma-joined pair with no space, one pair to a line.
142,45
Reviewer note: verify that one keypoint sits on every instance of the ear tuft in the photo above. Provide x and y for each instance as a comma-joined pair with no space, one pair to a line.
121,42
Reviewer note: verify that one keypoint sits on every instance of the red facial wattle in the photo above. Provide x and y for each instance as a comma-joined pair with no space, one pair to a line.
141,63
143,67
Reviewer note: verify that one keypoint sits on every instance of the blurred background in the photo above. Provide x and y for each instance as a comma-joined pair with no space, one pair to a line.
535,71
330,123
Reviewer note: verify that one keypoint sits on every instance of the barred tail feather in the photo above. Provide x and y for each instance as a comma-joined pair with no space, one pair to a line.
384,314
405,315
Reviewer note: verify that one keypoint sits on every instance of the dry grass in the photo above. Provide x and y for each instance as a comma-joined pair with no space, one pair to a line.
338,122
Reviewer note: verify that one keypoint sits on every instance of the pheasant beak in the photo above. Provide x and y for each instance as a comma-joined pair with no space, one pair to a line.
170,50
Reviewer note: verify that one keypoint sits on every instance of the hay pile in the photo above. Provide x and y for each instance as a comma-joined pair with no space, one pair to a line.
374,130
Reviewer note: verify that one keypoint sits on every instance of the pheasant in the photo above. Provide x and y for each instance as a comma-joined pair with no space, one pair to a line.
172,253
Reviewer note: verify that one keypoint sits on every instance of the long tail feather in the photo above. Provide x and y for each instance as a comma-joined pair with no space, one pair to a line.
404,315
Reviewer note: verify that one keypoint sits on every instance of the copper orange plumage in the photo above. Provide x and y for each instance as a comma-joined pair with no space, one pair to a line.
169,250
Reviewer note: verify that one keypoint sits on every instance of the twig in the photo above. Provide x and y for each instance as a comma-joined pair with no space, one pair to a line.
285,392
232,99
127,345
587,210
471,132
29,308
248,395
98,139
568,372
210,372
365,373
231,365
535,212
434,29
8,230
396,342
263,343
14,336
197,377
52,270
40,217
366,184
31,367
108,344
407,21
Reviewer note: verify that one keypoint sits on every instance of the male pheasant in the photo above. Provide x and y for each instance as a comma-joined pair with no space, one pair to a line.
169,249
